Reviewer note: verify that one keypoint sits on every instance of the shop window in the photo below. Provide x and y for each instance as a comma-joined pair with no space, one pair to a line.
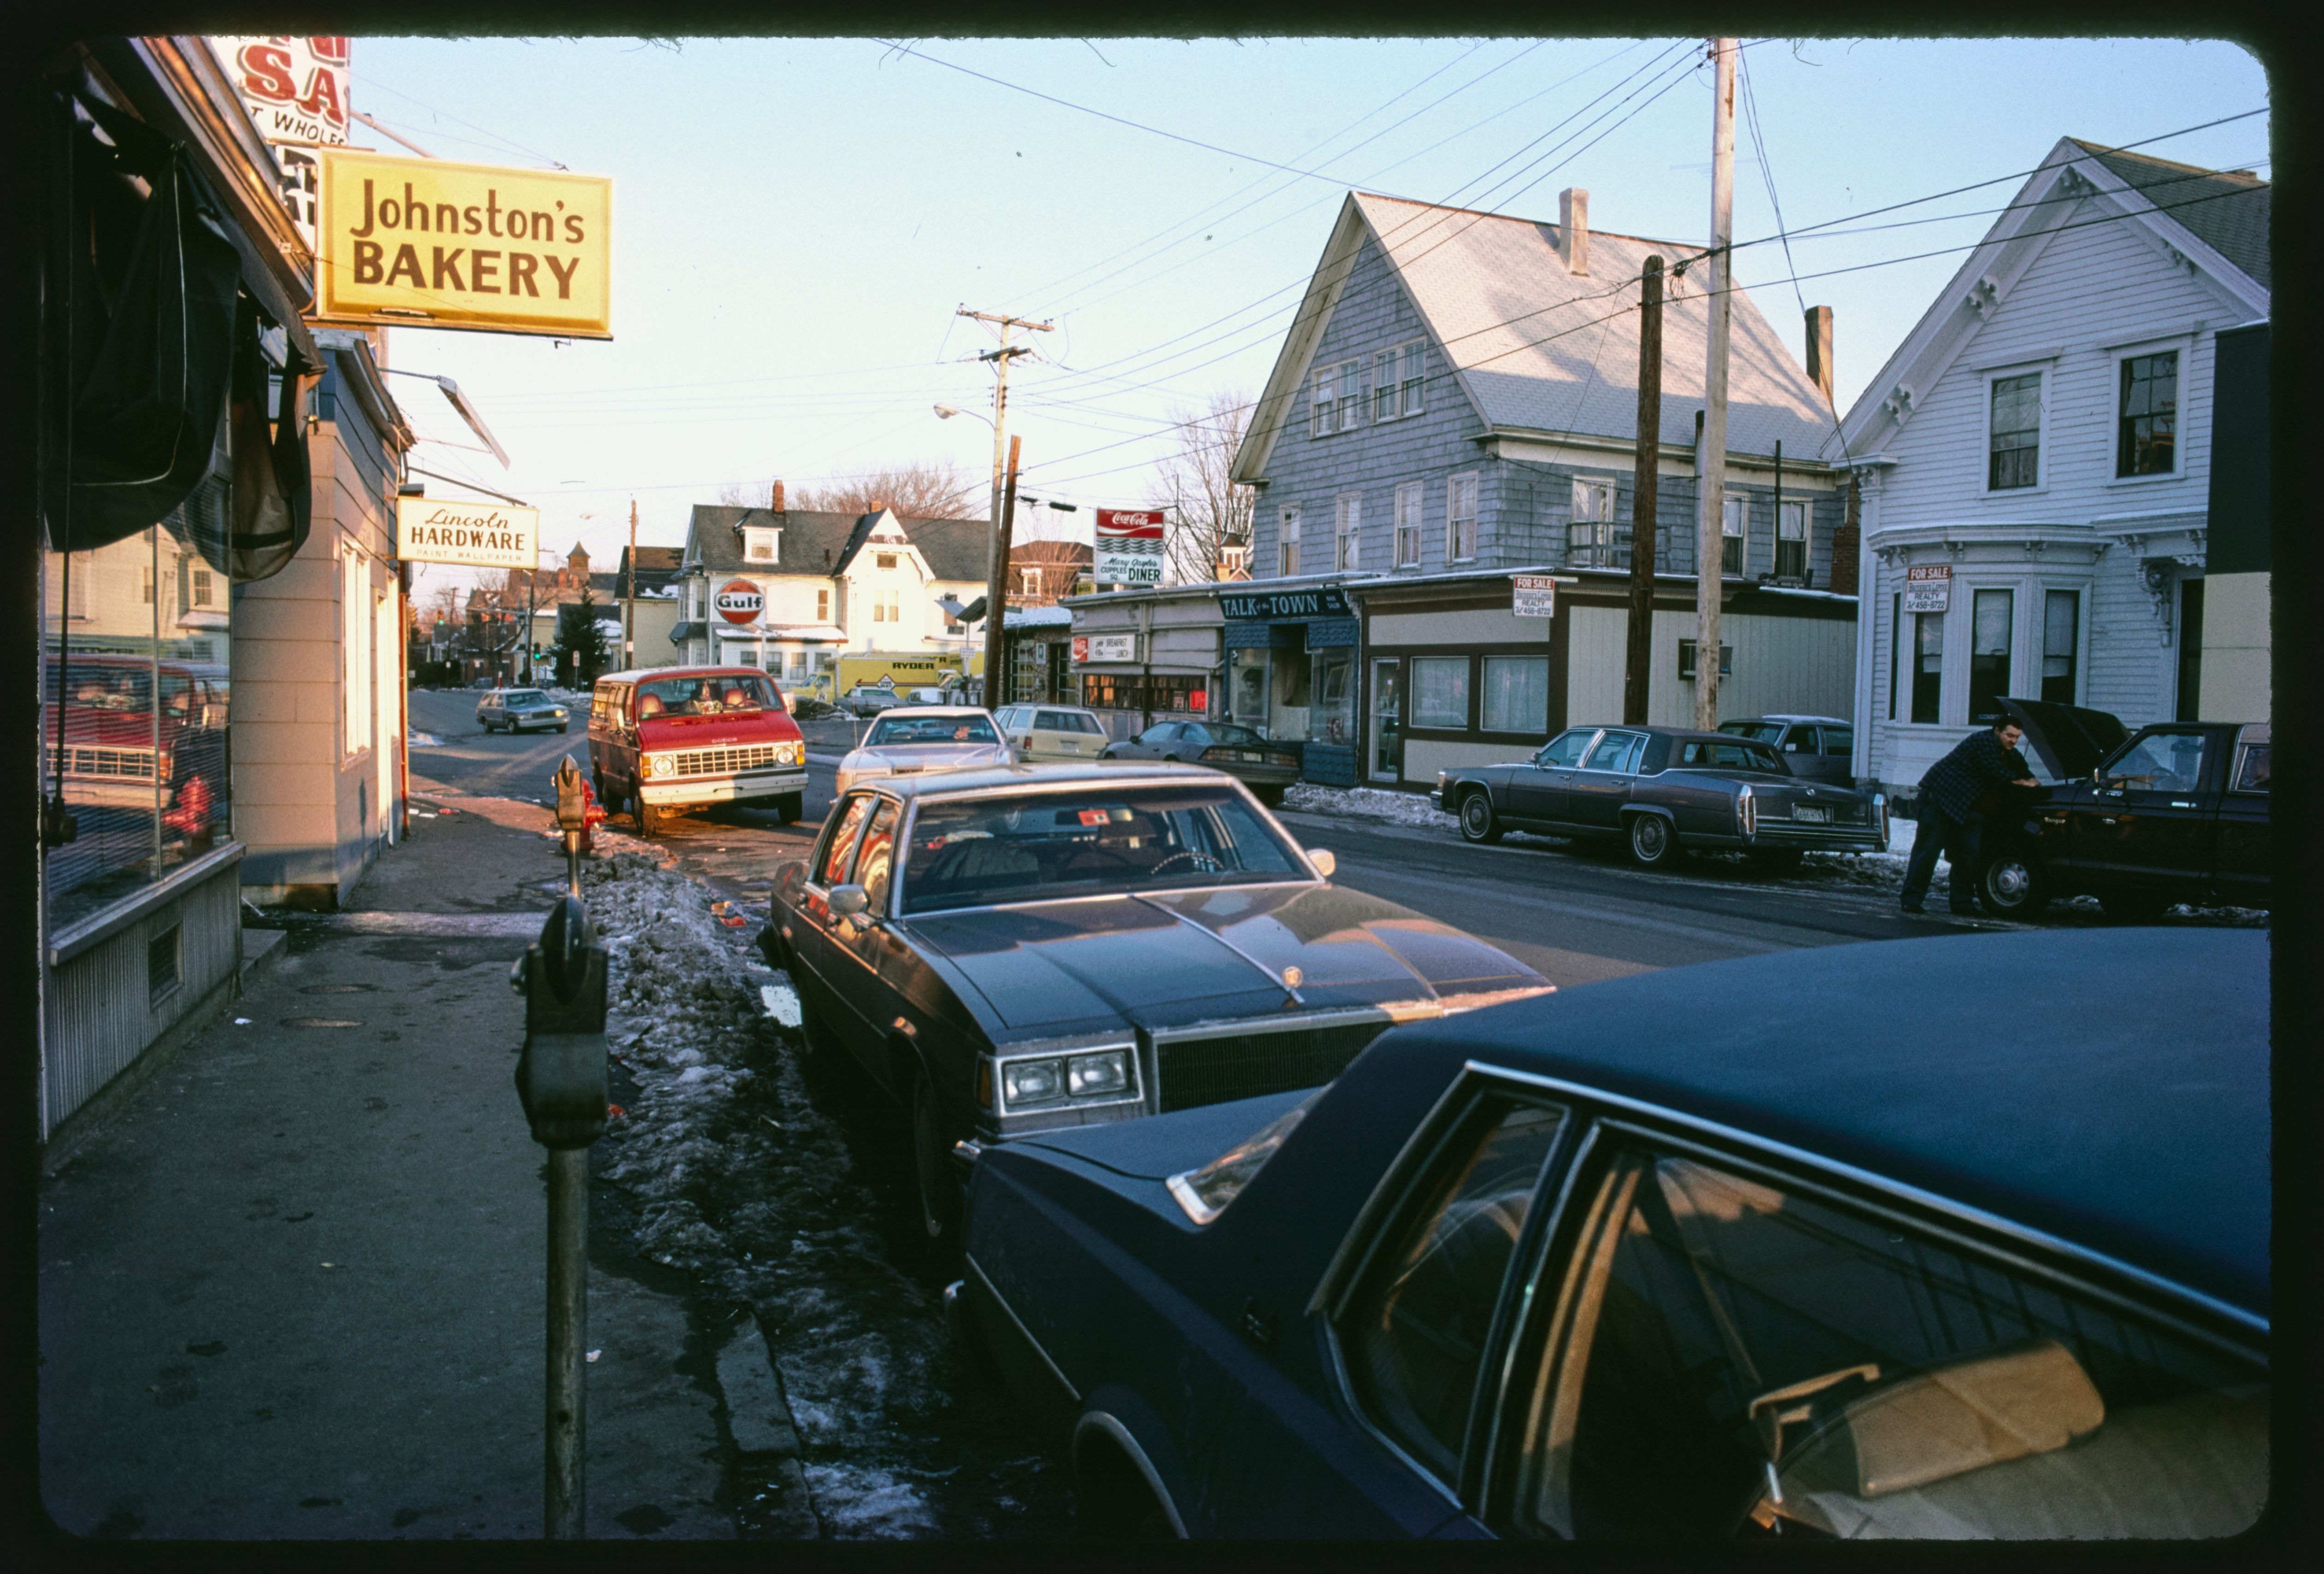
2062,618
1989,652
1928,664
1248,688
1332,719
2014,434
1461,518
133,718
2146,442
1408,526
1440,693
1791,542
1287,539
1733,521
1516,696
1291,696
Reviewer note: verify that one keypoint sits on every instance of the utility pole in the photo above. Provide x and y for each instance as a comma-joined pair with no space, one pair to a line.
996,591
1643,499
996,557
1713,497
630,608
530,575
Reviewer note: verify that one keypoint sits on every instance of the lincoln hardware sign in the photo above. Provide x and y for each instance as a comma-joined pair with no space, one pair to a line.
739,601
1268,606
485,535
427,243
1129,546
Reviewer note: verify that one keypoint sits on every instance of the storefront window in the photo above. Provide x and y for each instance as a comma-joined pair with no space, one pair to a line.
133,718
1388,719
1247,688
1291,697
1332,720
1440,691
1516,696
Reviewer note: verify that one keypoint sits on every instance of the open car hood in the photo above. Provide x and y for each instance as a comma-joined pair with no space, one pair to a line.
2067,739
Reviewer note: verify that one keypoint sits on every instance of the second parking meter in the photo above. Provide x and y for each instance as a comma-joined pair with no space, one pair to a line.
560,1077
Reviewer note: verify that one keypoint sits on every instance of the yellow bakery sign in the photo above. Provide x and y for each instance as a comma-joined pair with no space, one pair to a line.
427,243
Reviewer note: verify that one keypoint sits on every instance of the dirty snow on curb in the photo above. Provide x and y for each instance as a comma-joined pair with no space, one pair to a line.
742,1182
423,740
1365,803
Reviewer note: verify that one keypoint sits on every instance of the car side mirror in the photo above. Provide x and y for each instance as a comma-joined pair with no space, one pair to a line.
848,901
1324,860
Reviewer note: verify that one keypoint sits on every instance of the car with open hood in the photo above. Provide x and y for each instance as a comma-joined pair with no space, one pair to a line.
910,740
2175,813
1038,947
1668,1257
1664,791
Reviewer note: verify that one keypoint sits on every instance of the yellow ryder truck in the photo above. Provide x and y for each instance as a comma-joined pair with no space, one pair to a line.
905,672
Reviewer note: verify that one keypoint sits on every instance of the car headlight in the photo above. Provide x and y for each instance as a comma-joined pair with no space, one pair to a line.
1030,1082
660,764
1107,1072
790,754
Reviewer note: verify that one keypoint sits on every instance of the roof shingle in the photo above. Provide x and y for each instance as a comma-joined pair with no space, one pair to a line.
2227,210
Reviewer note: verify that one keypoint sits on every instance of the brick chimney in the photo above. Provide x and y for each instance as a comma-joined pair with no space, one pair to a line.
1573,229
1820,350
1849,538
776,504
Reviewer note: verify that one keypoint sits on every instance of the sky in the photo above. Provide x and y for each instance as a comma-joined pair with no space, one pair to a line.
797,221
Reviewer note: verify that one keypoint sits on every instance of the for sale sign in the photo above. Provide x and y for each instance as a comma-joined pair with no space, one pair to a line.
484,535
1533,595
1928,587
739,601
1129,546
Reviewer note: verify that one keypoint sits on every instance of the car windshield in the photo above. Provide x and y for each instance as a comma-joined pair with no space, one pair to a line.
892,730
971,852
1765,732
527,697
1734,756
713,694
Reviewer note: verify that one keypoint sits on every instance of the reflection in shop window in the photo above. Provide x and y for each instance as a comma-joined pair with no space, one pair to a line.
1247,691
1440,691
1332,719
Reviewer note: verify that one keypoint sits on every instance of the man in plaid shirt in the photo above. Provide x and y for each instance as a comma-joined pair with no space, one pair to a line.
1950,794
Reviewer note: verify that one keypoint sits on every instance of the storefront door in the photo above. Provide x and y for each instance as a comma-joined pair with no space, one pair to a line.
1388,721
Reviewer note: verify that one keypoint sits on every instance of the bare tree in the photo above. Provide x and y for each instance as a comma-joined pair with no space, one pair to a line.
1210,514
925,489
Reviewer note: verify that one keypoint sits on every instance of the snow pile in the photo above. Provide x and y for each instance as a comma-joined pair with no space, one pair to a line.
424,740
1365,803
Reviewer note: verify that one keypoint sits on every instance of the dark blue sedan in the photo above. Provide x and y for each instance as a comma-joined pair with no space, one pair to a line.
1938,1238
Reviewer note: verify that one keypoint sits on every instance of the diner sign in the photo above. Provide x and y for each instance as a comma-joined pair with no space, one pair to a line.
427,243
485,535
1129,546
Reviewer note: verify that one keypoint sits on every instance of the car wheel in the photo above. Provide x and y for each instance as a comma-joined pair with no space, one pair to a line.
2012,886
651,821
1780,863
1270,796
561,729
1653,844
2133,906
790,807
939,1188
1479,823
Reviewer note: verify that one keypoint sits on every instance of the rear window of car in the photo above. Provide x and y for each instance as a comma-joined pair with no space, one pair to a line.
1765,732
890,730
1734,756
1241,736
971,852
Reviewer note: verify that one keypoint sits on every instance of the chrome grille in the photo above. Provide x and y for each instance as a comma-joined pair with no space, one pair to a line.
1194,1071
130,764
725,761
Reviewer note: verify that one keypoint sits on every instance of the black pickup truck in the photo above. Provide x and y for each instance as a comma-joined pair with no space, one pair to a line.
2173,812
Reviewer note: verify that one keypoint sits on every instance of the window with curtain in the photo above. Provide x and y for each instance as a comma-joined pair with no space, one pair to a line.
1791,542
1408,526
1287,539
1440,691
2146,442
1592,539
2062,620
1461,518
1347,529
1988,651
1515,696
2015,428
1734,516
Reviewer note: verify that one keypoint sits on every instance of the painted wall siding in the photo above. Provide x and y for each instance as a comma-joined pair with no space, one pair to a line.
2053,307
1782,664
1373,313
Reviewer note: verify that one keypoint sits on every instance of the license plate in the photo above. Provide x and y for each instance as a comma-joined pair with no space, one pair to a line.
1071,748
1814,816
1251,759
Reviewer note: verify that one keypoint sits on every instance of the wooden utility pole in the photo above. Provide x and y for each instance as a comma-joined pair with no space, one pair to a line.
996,559
1643,499
630,607
996,590
1713,495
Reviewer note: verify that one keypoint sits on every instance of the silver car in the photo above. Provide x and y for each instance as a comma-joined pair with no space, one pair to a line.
913,738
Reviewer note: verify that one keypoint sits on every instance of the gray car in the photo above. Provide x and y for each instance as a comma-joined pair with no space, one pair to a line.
1266,768
1665,790
1820,748
515,709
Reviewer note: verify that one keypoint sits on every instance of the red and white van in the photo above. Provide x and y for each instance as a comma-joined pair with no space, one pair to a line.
669,738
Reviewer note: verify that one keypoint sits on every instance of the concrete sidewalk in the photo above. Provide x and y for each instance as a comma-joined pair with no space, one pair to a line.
295,1288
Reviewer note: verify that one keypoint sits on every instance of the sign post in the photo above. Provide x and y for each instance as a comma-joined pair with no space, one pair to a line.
1129,546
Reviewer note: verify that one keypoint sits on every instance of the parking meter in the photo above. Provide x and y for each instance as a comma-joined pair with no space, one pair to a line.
576,812
560,1077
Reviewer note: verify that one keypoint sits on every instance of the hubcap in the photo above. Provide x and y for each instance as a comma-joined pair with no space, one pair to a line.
1648,837
2009,881
1476,814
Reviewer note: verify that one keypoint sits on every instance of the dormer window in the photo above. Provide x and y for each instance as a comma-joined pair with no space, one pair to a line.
884,560
762,546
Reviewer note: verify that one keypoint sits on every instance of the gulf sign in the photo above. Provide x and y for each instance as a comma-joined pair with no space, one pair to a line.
484,535
1129,546
427,243
739,601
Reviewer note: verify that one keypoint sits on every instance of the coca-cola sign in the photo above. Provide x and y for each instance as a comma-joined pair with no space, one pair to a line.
739,601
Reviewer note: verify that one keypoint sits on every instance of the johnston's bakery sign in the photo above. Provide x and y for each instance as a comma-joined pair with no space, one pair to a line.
487,535
426,243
